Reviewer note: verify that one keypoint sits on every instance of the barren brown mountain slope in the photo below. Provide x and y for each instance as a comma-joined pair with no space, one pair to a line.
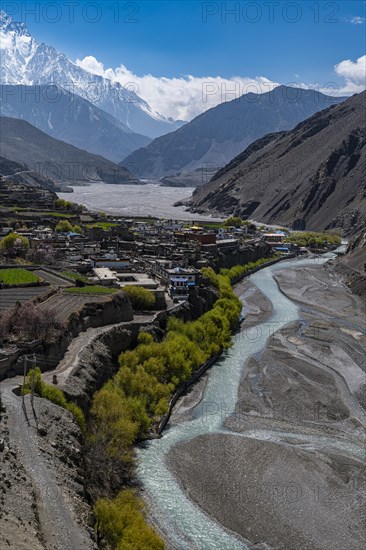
312,177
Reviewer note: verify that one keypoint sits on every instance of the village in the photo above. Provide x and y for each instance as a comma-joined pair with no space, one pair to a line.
159,255
59,260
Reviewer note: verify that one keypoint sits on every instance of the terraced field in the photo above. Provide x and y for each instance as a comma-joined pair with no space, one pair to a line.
17,276
9,296
65,304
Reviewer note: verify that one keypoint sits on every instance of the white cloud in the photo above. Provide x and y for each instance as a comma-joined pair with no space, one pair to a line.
354,74
357,20
186,97
181,97
91,65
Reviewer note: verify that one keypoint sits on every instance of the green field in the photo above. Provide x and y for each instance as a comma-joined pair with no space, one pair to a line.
102,225
95,289
60,215
17,276
74,276
46,213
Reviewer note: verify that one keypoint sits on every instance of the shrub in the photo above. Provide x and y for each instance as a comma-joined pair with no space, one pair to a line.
234,273
311,238
53,394
14,244
121,523
63,205
77,229
233,222
140,298
64,226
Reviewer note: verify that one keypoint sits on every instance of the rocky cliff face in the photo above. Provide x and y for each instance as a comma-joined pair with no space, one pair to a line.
353,265
311,177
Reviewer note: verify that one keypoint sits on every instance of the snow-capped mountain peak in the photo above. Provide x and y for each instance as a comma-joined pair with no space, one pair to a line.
17,47
24,61
7,25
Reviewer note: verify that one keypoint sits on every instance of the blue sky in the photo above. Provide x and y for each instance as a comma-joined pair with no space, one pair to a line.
284,41
170,38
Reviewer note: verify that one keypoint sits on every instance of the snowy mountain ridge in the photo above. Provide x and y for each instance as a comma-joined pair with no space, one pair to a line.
24,61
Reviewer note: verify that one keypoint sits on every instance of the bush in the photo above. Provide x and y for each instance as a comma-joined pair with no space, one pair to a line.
238,271
233,222
63,205
311,238
14,244
121,523
64,226
53,394
140,298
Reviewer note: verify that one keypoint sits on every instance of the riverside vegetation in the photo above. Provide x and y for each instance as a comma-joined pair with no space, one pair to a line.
129,404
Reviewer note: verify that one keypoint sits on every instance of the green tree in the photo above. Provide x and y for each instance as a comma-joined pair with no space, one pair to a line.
140,298
233,221
121,523
64,226
14,243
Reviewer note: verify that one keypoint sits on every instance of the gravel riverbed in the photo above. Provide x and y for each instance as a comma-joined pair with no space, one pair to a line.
288,473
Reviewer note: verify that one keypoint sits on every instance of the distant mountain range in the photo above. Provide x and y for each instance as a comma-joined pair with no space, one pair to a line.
24,61
312,177
22,143
213,138
70,118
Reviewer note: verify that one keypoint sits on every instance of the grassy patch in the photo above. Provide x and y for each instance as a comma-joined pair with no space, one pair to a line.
92,289
17,276
60,215
44,212
75,276
102,225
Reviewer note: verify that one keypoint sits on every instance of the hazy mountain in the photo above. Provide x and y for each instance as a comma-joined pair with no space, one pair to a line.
70,118
22,143
24,61
312,177
213,138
